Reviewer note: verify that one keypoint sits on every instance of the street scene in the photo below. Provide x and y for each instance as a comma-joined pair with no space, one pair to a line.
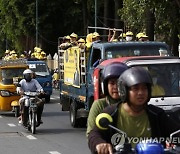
54,136
90,77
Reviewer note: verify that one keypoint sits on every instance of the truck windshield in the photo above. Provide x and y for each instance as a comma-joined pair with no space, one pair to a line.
166,79
39,69
129,51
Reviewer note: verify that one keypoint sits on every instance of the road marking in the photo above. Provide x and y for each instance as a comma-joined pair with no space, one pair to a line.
12,125
54,152
31,137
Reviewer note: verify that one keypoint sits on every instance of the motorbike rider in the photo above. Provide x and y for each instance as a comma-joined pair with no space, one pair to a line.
134,116
109,89
30,84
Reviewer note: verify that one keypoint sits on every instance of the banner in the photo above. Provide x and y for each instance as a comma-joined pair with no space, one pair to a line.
71,66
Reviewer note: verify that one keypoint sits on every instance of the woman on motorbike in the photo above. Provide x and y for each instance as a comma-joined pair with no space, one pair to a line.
110,75
29,84
134,116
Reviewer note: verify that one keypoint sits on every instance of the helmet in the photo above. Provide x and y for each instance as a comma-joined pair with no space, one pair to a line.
113,70
28,75
133,76
129,33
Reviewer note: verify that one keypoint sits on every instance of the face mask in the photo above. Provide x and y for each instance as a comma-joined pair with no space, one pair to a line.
154,80
27,77
128,38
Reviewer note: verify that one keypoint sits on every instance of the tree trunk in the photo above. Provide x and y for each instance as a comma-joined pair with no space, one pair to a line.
150,21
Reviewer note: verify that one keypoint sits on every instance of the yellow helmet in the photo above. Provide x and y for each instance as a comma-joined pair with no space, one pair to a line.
129,33
81,40
74,35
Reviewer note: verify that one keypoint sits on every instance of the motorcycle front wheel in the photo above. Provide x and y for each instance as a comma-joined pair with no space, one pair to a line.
33,122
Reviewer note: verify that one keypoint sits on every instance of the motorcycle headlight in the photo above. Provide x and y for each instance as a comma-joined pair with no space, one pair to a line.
4,93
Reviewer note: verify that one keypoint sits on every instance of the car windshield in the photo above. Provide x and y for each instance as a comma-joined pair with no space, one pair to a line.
39,69
129,51
10,73
166,79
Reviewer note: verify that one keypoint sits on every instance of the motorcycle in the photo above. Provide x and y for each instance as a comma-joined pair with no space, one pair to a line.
122,146
29,117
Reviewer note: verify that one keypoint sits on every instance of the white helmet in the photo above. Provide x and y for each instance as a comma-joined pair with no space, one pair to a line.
27,71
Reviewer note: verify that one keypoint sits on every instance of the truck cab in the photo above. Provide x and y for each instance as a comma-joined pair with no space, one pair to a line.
43,76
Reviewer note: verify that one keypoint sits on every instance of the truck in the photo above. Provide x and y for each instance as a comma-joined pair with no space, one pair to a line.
165,76
43,76
76,67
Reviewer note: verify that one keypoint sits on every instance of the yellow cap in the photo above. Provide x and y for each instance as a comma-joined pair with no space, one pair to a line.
81,40
43,53
12,52
7,51
74,35
129,33
96,34
139,35
67,37
122,35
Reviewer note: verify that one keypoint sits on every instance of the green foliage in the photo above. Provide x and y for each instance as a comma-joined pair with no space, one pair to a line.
166,15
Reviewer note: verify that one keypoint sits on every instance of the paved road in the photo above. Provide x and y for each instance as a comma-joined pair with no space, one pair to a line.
54,136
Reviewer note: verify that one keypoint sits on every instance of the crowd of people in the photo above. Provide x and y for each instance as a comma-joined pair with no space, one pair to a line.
38,53
74,40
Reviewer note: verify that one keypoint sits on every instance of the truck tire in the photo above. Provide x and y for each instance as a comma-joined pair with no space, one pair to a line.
65,104
73,114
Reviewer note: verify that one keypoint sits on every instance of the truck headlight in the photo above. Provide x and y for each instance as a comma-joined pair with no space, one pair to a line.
4,93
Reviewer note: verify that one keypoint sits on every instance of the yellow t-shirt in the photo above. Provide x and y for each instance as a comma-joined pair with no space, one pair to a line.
157,90
136,127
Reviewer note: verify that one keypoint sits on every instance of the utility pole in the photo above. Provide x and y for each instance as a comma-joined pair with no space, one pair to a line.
36,23
95,15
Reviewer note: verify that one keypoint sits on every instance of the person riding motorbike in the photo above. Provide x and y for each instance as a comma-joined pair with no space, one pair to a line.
29,84
109,89
133,116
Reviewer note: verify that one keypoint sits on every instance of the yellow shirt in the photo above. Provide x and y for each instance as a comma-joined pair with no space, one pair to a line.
157,90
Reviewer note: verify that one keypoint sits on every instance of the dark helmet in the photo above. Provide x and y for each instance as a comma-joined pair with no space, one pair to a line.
28,74
113,70
133,76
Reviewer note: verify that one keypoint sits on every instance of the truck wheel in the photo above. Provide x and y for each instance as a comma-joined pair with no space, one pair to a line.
73,113
65,104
